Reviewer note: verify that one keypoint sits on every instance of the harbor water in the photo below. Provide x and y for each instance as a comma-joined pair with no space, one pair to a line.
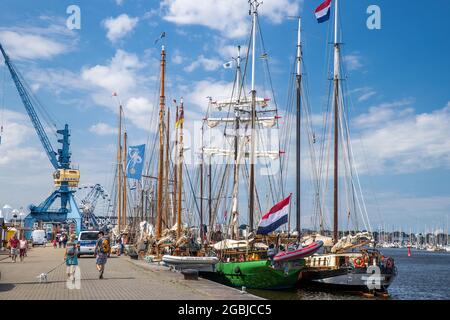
423,276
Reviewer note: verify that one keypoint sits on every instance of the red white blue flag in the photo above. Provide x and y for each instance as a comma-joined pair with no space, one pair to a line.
276,217
323,11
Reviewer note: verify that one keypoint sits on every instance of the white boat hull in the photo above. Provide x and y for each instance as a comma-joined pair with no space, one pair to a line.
204,264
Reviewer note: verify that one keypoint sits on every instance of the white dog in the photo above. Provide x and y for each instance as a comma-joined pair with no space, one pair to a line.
42,278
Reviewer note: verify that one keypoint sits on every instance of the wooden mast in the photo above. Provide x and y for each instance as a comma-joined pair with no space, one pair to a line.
298,135
119,172
180,170
124,189
161,148
336,123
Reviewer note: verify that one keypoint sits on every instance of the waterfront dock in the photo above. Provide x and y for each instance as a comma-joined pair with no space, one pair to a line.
124,279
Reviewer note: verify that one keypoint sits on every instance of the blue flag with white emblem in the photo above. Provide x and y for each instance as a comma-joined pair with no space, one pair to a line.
135,161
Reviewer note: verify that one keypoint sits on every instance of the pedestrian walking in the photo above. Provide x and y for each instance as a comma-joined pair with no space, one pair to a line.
55,243
59,238
102,250
23,247
119,247
64,241
71,257
14,245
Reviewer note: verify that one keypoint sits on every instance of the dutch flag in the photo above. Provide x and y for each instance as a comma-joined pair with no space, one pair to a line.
276,217
323,11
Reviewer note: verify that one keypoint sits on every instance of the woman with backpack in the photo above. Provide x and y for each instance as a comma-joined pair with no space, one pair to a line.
102,250
71,257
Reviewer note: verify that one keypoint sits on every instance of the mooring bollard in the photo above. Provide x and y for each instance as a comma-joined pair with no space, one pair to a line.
190,274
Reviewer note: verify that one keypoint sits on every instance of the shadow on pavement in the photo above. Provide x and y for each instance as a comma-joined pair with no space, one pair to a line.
6,286
64,281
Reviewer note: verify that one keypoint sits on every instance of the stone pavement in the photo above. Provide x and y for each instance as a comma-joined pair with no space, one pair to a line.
124,279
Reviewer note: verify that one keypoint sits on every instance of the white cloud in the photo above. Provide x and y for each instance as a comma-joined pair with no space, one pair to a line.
138,110
230,51
206,63
177,57
102,129
201,90
119,27
364,93
30,46
118,76
14,150
119,2
57,80
121,75
229,17
400,141
38,42
383,113
353,61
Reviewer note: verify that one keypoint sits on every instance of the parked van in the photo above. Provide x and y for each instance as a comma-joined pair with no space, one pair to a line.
86,242
38,237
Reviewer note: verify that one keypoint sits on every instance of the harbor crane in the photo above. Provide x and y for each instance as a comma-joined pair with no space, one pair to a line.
65,177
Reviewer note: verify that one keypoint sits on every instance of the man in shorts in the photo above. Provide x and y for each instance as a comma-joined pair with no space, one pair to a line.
102,250
14,245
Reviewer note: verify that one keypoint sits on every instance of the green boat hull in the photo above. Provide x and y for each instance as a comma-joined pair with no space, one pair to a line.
259,274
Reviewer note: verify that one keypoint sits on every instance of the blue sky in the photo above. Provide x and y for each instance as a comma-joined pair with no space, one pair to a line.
397,78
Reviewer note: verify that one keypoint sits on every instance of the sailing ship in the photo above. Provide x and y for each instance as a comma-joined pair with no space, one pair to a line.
172,245
350,264
251,262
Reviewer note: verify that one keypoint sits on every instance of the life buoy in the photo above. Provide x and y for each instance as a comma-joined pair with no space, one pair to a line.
359,263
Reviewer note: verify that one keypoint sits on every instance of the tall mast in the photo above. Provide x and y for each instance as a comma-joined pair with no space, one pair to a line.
124,189
175,174
299,114
210,215
336,79
234,207
161,147
166,172
201,192
180,170
254,4
119,171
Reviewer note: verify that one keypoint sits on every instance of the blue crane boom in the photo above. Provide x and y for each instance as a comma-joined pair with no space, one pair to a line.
64,177
31,112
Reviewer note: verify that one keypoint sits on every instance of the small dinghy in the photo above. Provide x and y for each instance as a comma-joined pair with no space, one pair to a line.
197,263
299,253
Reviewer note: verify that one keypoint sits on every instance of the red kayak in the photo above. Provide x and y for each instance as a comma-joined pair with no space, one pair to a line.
299,253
